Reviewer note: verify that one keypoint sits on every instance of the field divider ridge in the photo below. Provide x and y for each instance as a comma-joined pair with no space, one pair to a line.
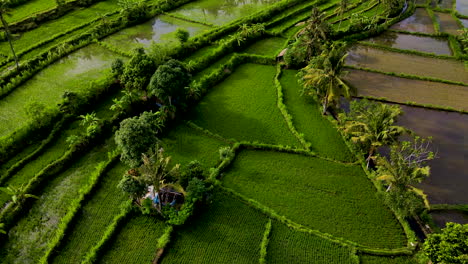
179,17
407,76
113,49
118,220
409,52
77,204
265,242
414,104
210,134
20,164
284,111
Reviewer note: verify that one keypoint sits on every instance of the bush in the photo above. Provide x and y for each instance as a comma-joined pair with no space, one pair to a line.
182,35
193,170
451,246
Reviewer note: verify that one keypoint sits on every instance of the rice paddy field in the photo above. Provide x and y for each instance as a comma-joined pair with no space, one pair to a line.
291,191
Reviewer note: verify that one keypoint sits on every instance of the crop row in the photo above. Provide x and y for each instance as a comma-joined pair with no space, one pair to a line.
327,196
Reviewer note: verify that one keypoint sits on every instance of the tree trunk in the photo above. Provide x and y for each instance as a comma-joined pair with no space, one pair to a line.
7,32
371,152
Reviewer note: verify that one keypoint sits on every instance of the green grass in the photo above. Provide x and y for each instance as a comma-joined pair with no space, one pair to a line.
225,231
73,73
307,119
290,246
369,259
316,193
215,65
34,6
93,218
185,144
136,242
28,238
56,26
269,47
244,107
200,53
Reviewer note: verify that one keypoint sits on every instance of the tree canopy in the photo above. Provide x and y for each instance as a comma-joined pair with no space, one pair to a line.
450,246
138,71
137,135
169,81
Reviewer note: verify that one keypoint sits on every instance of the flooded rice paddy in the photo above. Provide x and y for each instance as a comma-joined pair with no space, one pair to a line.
447,23
464,22
418,22
221,12
412,42
160,29
442,217
462,7
404,90
72,73
445,4
449,171
387,61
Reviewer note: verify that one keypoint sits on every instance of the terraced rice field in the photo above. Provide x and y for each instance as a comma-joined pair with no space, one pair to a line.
291,166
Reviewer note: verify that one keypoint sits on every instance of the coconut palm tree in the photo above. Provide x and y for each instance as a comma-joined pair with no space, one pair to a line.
5,10
344,5
18,194
155,169
322,77
373,125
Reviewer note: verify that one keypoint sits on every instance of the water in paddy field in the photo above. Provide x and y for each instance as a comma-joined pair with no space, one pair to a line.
387,61
71,73
449,171
447,23
464,22
462,7
418,22
404,90
219,12
446,4
442,217
160,29
411,42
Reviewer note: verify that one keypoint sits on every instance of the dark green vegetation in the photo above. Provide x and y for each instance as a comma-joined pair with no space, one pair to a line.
243,107
290,246
319,190
226,231
254,154
324,138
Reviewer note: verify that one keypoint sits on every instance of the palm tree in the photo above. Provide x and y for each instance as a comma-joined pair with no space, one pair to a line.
344,5
5,10
373,124
17,194
322,77
407,165
315,33
155,169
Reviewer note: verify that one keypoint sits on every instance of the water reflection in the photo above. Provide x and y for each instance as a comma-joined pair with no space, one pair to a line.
221,12
387,61
418,22
449,172
447,23
411,42
462,7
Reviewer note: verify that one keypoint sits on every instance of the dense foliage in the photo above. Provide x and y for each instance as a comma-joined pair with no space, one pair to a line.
450,246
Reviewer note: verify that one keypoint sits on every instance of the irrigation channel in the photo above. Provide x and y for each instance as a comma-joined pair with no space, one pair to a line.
382,68
408,65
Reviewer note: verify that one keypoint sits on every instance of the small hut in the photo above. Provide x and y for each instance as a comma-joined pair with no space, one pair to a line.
280,56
